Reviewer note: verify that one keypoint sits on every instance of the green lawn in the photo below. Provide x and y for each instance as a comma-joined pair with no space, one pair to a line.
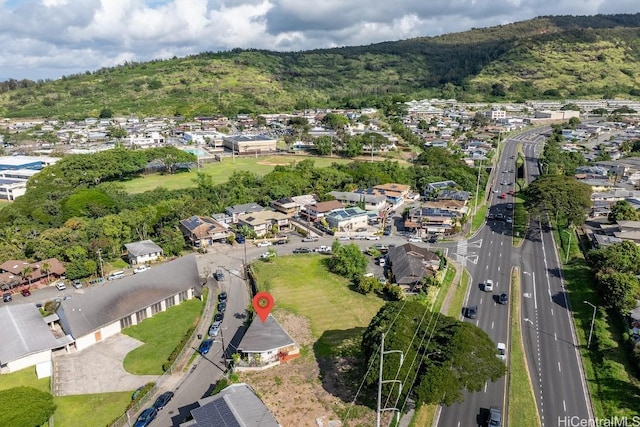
302,284
160,334
25,377
90,409
455,306
220,171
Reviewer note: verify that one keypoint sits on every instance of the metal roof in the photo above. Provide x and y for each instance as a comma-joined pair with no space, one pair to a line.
113,300
143,247
261,337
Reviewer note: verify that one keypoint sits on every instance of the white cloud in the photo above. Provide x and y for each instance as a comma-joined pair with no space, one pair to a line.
49,38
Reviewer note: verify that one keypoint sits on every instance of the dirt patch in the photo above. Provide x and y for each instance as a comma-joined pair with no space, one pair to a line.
305,392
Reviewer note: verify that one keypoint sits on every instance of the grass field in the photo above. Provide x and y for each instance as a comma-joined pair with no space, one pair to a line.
89,410
160,334
456,303
302,284
220,171
25,377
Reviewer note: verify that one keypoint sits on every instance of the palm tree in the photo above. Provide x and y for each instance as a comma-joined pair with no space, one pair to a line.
26,272
46,268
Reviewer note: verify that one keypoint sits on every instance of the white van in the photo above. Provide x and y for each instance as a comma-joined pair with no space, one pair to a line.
116,275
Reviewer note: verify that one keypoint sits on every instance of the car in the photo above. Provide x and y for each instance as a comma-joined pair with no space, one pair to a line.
502,196
323,249
214,330
219,275
472,311
77,284
264,244
495,417
61,286
206,346
433,239
222,297
495,190
222,306
415,239
301,250
162,400
382,262
267,255
343,238
281,242
503,298
311,239
490,216
359,237
240,238
509,220
488,285
500,217
361,229
6,297
146,417
25,292
140,269
373,237
503,183
136,393
502,351
218,318
512,157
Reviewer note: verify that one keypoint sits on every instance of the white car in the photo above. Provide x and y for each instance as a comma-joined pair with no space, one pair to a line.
343,238
488,286
140,269
61,286
415,239
373,237
502,351
267,255
264,244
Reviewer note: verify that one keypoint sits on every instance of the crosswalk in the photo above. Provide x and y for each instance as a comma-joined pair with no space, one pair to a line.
462,251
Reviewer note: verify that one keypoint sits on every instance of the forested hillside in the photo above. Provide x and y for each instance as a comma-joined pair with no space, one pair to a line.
547,57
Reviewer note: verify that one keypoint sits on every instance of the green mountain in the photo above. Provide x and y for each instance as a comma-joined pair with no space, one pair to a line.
547,57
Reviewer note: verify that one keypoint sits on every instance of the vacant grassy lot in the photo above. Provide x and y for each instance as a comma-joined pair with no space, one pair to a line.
220,171
90,409
160,334
303,285
25,377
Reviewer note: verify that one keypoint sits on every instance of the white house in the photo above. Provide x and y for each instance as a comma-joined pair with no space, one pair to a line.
142,252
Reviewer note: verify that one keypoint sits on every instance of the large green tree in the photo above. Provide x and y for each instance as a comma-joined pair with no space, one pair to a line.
622,211
558,194
618,290
347,260
25,407
443,356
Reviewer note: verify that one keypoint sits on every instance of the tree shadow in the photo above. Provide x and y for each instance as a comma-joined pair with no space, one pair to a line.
341,365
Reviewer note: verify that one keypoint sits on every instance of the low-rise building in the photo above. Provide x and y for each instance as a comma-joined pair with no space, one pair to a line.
348,219
142,252
265,222
202,231
265,344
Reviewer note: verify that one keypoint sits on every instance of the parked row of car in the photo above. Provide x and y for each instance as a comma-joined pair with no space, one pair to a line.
149,414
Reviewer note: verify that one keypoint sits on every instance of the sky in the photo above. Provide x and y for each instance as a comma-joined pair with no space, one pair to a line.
46,39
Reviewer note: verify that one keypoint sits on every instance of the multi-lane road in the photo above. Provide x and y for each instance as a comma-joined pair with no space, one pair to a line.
550,343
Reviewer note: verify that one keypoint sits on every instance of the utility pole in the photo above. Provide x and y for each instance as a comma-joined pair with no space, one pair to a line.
381,381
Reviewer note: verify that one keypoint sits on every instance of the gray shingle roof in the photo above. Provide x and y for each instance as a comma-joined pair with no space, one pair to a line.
143,247
407,263
261,337
235,406
104,304
24,331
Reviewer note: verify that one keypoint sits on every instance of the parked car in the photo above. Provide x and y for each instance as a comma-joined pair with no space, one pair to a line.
382,262
472,311
222,297
218,318
502,196
502,351
6,297
77,284
503,298
311,239
140,269
267,255
495,417
162,400
136,393
146,417
222,306
359,237
281,242
219,275
301,250
61,286
214,330
206,346
25,292
240,238
264,244
373,237
415,239
343,238
488,285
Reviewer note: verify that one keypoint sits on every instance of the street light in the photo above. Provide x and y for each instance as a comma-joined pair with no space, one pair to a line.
568,249
593,318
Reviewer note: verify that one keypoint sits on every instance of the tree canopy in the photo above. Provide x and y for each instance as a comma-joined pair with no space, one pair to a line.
622,210
443,356
564,195
347,260
25,407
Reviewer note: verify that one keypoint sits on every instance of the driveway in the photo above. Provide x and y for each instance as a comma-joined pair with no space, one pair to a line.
98,369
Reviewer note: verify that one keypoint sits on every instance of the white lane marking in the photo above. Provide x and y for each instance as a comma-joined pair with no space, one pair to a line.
564,405
477,323
559,367
491,325
552,311
535,298
498,268
485,387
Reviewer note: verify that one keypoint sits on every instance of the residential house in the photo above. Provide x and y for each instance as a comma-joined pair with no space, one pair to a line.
348,219
40,272
265,222
458,206
265,344
396,194
410,264
235,211
142,252
286,205
370,202
431,220
433,188
201,231
103,311
628,230
318,210
453,195
235,405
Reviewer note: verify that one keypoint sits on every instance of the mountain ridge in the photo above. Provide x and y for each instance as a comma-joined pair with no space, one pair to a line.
549,57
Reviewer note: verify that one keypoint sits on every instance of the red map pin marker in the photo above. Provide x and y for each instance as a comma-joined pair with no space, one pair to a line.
262,304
